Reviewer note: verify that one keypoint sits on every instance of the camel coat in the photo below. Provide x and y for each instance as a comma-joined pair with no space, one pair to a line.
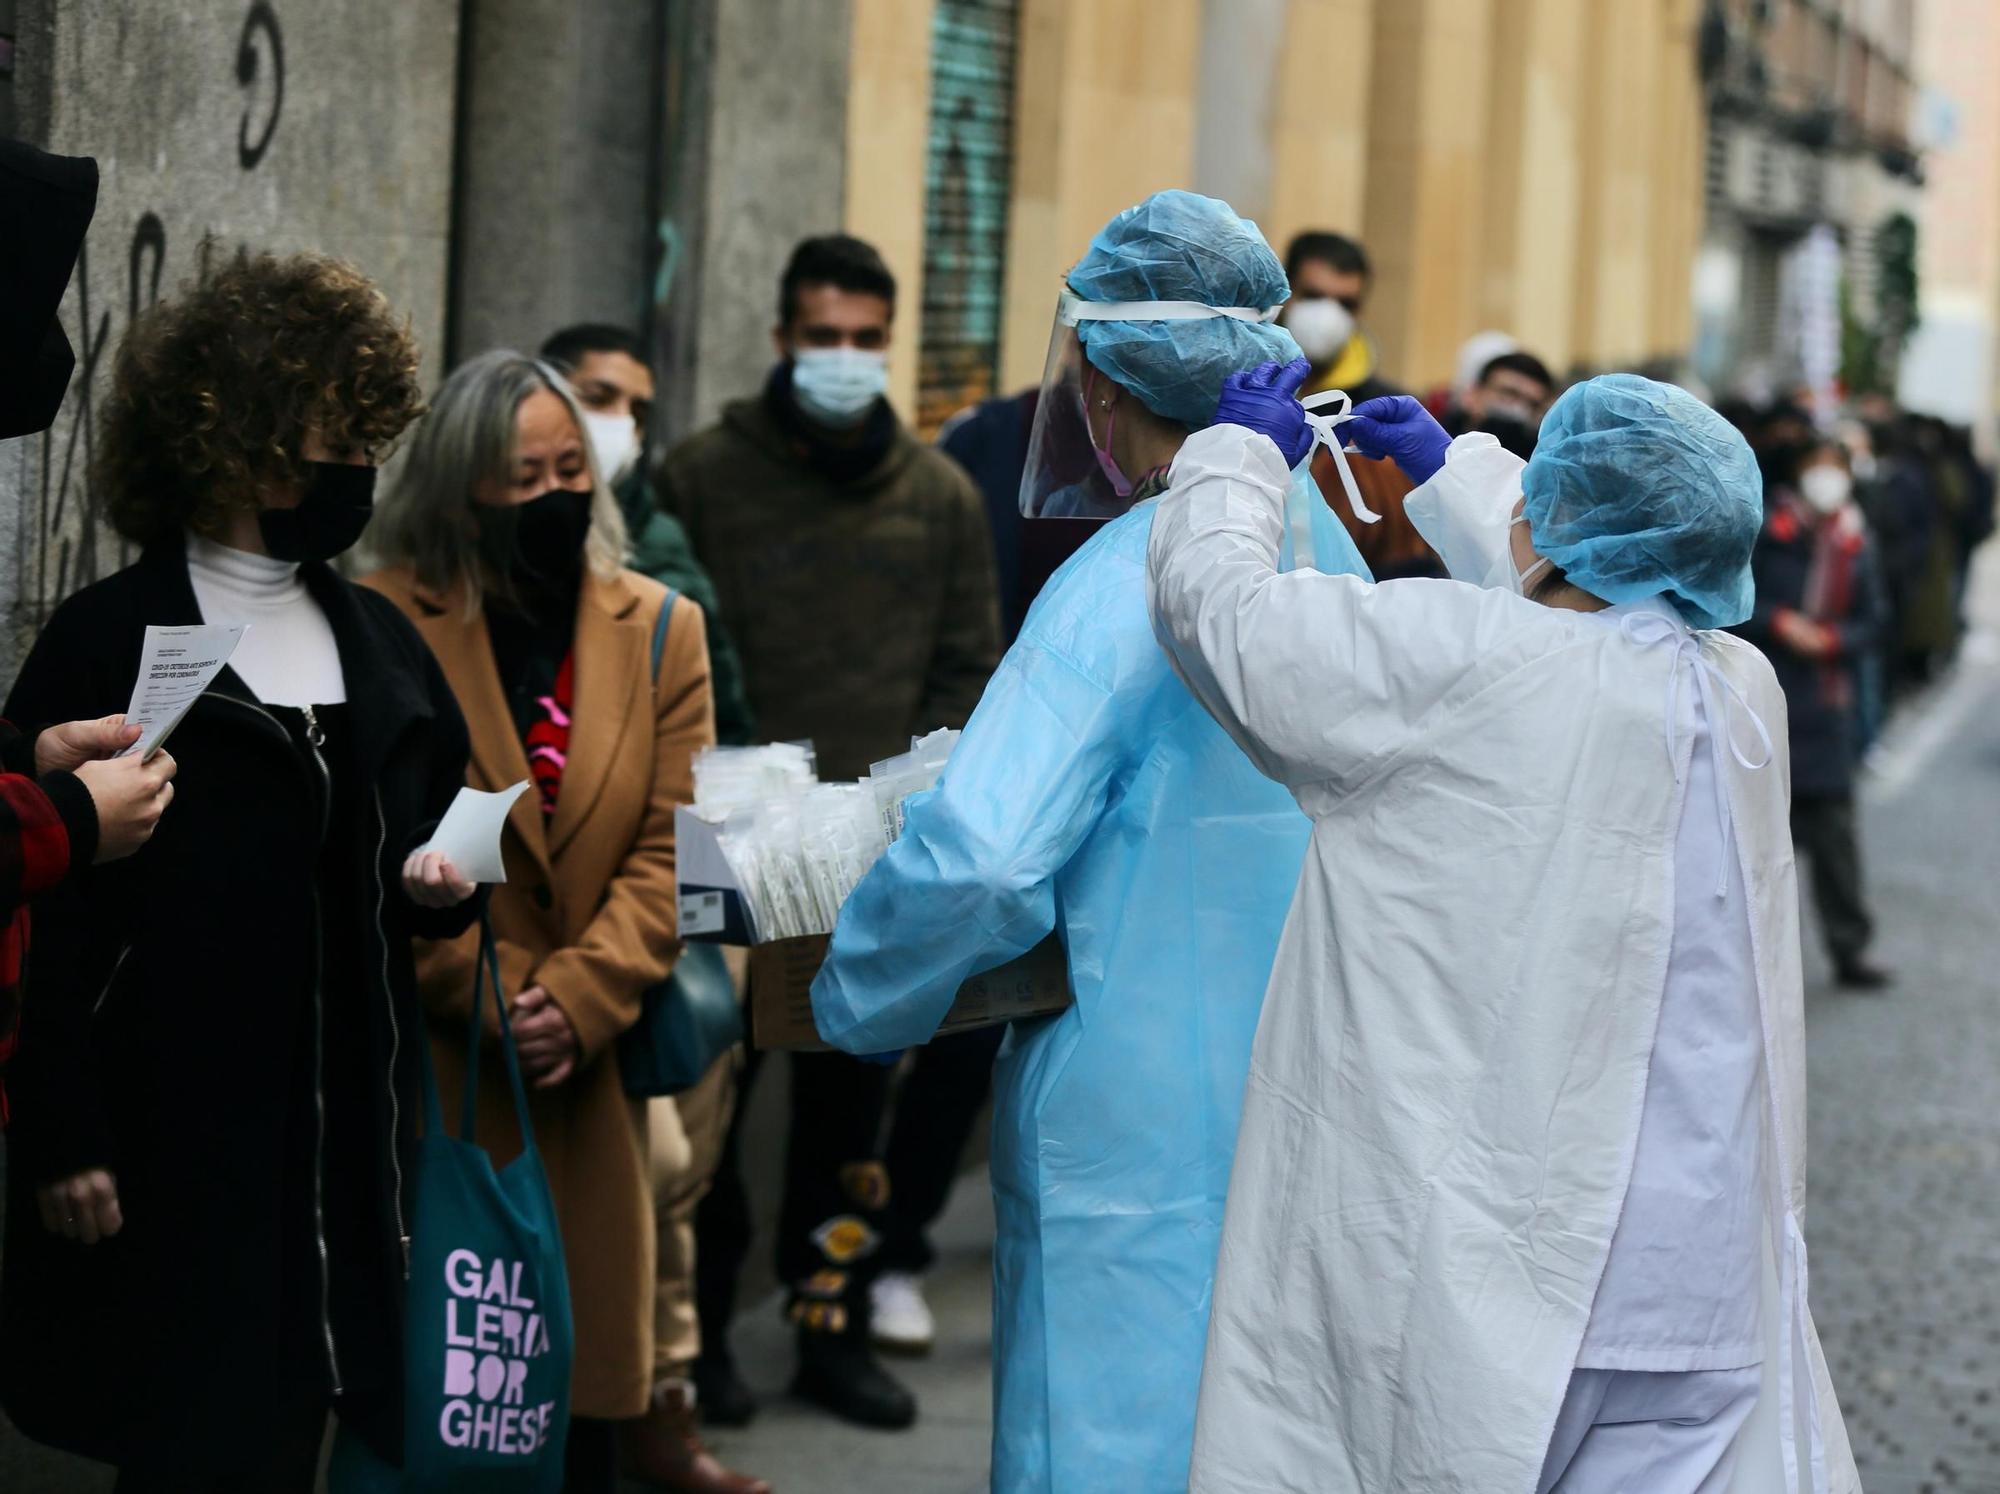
587,911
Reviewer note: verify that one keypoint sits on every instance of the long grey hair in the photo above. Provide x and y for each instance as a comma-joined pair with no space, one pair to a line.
424,519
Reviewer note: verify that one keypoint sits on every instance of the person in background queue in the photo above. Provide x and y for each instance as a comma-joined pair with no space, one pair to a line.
506,548
1507,401
855,573
1330,276
608,371
1821,609
206,1226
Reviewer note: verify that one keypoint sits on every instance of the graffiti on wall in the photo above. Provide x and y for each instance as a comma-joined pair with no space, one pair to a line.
62,540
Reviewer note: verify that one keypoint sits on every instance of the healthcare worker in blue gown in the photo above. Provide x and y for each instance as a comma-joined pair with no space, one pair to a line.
1092,796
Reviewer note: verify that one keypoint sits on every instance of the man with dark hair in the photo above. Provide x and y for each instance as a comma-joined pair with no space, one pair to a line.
608,368
1507,400
854,569
1330,275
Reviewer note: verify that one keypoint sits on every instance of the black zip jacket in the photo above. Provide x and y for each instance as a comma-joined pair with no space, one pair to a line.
187,1011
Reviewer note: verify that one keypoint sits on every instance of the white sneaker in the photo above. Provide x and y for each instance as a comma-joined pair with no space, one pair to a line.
902,1321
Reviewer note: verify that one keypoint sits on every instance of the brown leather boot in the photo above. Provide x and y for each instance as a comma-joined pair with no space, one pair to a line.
664,1448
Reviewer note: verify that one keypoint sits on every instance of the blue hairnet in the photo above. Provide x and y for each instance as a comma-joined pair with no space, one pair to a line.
1177,246
1637,489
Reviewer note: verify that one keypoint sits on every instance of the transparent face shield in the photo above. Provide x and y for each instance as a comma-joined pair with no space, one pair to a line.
1071,472
1071,484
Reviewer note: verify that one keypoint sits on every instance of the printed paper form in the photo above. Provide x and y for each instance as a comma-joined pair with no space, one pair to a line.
177,665
469,833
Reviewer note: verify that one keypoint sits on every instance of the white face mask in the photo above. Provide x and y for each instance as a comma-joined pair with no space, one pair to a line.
1502,576
839,386
1826,488
1320,325
614,441
1471,526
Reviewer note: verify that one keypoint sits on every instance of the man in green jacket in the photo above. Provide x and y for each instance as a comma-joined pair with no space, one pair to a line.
854,569
607,368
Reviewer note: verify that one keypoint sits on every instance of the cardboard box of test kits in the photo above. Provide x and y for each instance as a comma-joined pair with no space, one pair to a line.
782,970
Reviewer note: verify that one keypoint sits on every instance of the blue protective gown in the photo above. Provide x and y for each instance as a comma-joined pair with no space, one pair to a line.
1091,794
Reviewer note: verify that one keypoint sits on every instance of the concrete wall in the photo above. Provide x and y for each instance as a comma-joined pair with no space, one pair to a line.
757,146
279,123
557,169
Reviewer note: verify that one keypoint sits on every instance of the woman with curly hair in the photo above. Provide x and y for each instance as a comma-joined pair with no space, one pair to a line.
206,1236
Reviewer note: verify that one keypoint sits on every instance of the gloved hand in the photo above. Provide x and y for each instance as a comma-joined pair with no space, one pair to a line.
1399,427
1266,400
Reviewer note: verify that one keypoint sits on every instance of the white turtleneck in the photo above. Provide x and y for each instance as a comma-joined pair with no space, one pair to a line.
287,655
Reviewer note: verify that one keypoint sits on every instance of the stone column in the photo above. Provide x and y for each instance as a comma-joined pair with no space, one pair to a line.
888,142
1427,166
557,162
1320,154
1104,114
1617,143
1528,247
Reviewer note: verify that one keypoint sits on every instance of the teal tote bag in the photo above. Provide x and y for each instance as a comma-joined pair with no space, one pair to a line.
487,1339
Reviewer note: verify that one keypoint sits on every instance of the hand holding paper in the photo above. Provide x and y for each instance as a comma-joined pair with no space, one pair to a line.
431,881
177,665
468,837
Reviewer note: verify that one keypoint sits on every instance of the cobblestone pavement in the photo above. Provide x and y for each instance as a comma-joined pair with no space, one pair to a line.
1903,1207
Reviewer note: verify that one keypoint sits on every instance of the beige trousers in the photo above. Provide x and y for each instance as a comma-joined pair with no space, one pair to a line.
688,1132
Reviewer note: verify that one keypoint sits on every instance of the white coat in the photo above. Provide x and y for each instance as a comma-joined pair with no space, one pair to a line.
1445,1093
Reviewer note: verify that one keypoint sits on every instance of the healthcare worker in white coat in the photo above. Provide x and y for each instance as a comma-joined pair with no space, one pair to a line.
1092,797
1521,1171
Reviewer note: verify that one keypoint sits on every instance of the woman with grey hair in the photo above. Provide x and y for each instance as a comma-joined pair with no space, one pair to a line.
506,549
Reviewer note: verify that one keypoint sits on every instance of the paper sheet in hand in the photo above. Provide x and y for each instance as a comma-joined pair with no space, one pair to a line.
469,833
177,665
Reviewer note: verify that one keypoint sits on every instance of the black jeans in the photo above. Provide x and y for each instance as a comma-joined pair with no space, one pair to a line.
936,1110
1823,832
590,1457
832,1174
291,1467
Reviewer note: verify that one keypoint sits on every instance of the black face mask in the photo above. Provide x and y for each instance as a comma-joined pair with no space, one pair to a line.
338,503
1511,431
537,544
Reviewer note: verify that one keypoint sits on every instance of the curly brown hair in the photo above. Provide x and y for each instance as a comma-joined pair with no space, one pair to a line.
213,392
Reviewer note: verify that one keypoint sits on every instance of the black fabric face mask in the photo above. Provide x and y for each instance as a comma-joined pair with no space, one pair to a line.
537,544
338,503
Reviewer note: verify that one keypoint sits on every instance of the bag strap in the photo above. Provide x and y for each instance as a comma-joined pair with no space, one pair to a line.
660,630
486,973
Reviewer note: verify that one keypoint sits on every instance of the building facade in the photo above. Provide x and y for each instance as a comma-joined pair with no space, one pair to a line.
1564,170
1813,186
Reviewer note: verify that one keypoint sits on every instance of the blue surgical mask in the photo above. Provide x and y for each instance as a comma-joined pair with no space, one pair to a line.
838,386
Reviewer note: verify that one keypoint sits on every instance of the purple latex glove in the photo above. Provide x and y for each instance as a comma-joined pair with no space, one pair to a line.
1265,399
1399,427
